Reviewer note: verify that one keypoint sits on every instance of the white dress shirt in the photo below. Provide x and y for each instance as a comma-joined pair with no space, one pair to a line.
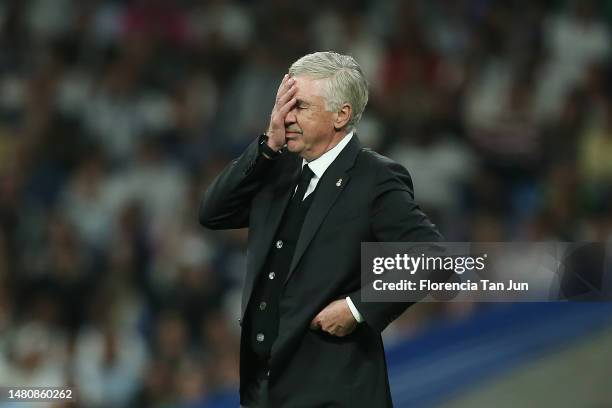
318,167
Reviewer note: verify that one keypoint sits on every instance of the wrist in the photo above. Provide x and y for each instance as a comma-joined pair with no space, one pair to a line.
266,150
271,143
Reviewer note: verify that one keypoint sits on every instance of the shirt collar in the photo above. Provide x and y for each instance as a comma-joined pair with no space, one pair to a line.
320,164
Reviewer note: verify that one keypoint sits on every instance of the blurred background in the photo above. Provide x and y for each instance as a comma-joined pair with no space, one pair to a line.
116,114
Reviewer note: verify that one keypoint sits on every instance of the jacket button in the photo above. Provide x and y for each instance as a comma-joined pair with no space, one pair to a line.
260,337
271,275
279,244
262,306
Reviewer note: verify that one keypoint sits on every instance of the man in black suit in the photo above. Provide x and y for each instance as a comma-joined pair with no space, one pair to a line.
310,194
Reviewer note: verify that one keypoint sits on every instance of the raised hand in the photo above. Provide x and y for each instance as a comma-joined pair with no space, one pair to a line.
285,99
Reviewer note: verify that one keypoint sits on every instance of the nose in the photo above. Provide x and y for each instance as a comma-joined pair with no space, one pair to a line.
290,118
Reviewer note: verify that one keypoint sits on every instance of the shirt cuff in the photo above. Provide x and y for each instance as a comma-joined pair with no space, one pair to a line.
354,310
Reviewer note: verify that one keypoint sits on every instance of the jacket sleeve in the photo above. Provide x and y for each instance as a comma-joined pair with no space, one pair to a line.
227,201
394,217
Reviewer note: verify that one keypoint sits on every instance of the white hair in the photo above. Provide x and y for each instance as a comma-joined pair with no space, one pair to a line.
344,77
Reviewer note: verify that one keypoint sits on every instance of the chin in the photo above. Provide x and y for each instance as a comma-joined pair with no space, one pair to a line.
294,147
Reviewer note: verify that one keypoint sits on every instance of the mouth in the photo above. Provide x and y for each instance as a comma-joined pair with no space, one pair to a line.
291,134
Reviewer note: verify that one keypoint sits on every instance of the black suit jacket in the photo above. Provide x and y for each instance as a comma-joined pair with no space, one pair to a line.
362,196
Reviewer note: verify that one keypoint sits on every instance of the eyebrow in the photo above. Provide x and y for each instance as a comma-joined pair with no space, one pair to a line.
302,102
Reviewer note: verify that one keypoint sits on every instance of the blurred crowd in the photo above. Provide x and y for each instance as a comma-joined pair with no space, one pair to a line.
116,114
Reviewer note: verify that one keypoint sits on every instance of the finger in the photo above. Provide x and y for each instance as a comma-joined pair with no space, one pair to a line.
341,331
329,326
285,85
286,94
282,112
282,84
316,323
346,330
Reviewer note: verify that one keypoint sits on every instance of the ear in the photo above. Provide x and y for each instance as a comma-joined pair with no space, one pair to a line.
342,117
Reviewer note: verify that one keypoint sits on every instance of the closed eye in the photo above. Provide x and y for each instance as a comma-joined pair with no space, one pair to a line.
301,104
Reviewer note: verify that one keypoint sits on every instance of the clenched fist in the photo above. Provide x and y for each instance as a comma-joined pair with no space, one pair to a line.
335,319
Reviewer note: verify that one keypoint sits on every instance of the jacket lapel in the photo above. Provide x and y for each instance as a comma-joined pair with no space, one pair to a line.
328,189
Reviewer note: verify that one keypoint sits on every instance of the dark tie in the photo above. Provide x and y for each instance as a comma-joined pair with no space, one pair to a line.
305,178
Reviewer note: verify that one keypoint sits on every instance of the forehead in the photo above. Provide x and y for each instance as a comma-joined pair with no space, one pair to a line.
310,89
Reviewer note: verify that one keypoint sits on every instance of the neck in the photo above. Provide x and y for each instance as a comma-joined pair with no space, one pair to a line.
333,142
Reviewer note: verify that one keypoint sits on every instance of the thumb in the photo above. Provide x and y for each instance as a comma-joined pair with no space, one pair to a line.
315,324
